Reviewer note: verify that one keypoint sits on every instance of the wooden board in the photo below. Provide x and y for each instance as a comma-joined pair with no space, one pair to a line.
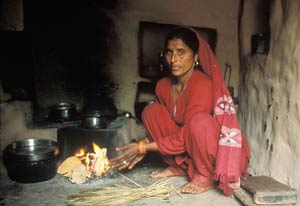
266,190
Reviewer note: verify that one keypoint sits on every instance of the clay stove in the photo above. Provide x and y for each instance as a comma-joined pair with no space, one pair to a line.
71,139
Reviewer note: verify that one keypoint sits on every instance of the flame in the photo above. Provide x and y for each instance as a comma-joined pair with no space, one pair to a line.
80,153
97,148
56,152
96,162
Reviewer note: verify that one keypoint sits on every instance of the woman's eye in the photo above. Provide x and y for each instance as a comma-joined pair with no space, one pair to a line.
169,53
180,52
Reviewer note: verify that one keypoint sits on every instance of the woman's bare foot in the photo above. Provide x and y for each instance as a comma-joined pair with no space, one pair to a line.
162,173
192,188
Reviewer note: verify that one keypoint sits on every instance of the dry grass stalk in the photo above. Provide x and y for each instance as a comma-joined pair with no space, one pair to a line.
119,195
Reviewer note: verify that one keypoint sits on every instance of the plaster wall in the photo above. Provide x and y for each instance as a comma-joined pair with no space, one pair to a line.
270,107
199,13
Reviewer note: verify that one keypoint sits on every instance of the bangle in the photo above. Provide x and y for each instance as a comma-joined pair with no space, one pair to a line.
142,147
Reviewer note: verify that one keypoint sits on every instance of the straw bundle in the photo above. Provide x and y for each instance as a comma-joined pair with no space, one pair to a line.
122,195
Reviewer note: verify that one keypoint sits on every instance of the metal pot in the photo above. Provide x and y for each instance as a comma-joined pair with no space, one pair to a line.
98,114
94,122
31,160
63,111
97,121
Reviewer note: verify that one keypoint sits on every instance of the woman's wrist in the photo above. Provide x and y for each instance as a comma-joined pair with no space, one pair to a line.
142,146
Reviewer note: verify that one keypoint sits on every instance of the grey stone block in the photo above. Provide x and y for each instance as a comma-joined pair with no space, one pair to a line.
246,199
266,190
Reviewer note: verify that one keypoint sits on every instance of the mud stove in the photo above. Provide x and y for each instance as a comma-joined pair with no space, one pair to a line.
71,139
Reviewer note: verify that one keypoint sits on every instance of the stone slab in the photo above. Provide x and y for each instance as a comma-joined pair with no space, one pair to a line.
266,190
246,198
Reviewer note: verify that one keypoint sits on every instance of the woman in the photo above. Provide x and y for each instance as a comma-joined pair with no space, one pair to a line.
193,122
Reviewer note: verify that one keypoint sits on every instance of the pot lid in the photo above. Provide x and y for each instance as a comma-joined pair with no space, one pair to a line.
63,106
100,107
99,113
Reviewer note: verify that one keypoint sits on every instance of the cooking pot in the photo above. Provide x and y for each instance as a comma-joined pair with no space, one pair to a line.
96,121
31,160
93,122
63,111
98,113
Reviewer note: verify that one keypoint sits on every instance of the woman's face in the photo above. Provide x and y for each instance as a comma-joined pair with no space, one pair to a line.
179,57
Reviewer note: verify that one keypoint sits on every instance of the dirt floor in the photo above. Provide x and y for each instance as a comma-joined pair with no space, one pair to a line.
57,190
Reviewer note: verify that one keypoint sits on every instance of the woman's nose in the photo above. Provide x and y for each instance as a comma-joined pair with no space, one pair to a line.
174,58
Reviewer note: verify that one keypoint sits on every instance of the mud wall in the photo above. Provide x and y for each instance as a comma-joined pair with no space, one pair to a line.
270,107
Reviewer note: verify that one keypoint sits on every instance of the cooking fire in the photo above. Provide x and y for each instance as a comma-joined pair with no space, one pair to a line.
85,165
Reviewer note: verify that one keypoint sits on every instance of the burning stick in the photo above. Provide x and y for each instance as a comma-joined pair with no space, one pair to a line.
98,161
101,164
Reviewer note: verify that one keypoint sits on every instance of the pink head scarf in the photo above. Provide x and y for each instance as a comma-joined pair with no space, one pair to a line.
228,160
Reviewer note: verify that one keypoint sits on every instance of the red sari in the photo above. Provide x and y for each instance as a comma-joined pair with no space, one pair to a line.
203,140
188,141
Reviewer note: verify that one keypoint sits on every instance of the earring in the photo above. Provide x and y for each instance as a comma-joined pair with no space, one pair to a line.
196,63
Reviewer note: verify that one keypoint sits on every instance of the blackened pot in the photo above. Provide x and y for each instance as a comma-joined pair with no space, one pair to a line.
62,112
31,160
94,122
94,117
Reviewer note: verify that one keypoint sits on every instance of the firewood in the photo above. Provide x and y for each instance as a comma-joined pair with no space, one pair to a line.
78,174
68,165
79,169
100,162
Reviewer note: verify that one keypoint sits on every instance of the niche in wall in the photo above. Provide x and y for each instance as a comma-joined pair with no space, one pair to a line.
16,63
151,44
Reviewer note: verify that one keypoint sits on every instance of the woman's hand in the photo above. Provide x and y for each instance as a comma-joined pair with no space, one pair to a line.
130,157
